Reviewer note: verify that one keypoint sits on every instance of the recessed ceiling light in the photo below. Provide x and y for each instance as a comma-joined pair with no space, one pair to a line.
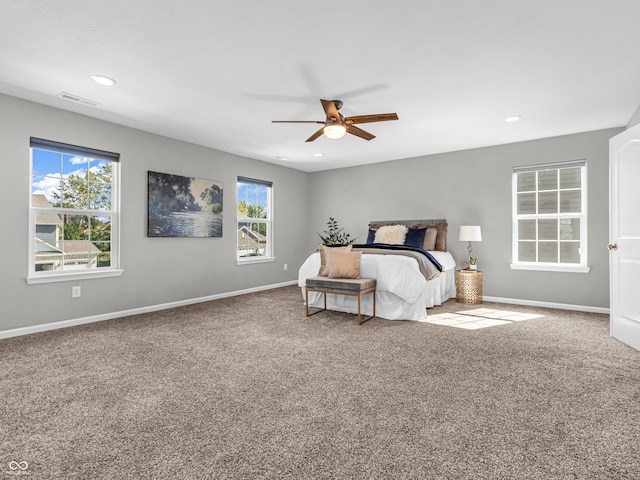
513,118
102,80
279,157
318,154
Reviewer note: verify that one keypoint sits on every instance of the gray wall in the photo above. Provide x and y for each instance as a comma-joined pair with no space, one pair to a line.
635,118
473,187
466,187
156,270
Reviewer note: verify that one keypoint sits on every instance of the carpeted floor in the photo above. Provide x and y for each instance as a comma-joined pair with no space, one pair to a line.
248,388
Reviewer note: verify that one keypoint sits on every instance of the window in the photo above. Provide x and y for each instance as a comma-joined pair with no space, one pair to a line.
255,213
550,217
73,212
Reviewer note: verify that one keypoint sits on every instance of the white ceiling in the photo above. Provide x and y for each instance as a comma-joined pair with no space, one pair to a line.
216,73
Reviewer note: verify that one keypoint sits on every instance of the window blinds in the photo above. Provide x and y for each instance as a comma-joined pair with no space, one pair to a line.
254,181
549,166
73,149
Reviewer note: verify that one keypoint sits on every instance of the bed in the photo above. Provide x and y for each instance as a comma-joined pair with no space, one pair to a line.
410,278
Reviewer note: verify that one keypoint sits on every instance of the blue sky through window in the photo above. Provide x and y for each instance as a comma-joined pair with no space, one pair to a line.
253,194
51,168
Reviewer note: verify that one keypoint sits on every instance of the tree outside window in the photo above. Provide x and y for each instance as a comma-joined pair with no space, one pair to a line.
72,209
254,219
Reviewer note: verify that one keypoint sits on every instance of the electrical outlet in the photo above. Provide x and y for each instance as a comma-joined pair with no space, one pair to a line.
76,292
285,266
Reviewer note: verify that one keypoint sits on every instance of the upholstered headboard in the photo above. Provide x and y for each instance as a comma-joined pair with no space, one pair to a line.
439,224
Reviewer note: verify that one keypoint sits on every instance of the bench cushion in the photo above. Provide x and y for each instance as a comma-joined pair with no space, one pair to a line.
348,285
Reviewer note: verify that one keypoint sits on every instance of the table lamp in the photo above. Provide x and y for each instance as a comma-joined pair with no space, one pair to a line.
470,233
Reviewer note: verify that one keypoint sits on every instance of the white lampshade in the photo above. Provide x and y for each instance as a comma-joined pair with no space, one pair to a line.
470,233
335,131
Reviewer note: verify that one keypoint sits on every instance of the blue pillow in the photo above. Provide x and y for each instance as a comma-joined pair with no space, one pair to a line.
371,236
415,237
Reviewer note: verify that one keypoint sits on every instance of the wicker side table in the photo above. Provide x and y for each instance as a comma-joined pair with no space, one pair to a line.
468,286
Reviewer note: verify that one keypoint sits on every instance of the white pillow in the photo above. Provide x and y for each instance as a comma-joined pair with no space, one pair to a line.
391,234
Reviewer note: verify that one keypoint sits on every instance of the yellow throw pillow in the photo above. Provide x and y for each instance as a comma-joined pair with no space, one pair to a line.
325,253
344,265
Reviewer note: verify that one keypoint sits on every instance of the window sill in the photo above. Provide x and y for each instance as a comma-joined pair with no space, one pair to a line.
251,260
66,277
550,268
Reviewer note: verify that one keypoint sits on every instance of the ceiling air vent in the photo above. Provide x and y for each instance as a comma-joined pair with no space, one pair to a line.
77,99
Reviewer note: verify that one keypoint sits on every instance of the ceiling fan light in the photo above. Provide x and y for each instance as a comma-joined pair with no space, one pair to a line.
335,131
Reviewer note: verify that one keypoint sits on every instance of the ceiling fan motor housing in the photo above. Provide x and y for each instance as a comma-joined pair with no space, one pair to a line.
339,121
336,125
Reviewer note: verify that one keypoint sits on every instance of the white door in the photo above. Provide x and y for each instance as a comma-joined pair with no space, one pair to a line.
624,235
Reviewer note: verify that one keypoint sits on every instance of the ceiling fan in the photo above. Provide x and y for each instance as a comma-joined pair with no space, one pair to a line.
336,125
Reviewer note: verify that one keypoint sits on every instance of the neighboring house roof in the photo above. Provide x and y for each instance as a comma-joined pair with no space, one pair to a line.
255,235
39,200
78,246
249,239
44,247
70,247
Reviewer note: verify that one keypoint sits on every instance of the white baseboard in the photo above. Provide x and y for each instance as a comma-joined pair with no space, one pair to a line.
16,332
534,303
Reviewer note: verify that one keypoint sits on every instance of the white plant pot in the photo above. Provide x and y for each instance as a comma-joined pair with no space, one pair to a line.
473,267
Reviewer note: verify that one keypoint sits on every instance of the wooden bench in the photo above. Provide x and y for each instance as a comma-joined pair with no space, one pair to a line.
356,287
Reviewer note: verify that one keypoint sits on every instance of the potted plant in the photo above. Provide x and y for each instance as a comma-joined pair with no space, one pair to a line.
335,235
473,263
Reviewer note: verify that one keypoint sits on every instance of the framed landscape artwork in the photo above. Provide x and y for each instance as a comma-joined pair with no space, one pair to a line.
183,206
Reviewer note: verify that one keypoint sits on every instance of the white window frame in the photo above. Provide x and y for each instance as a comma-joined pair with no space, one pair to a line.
269,255
36,277
582,267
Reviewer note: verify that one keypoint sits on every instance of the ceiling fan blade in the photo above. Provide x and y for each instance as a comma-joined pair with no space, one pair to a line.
297,121
315,135
334,117
330,109
358,132
379,117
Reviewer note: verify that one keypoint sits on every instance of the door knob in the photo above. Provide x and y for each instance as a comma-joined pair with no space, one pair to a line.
612,246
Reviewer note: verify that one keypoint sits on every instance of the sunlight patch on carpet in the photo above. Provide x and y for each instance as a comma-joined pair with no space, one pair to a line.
479,318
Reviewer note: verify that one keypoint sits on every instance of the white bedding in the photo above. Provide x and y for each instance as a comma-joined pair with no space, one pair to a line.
402,291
